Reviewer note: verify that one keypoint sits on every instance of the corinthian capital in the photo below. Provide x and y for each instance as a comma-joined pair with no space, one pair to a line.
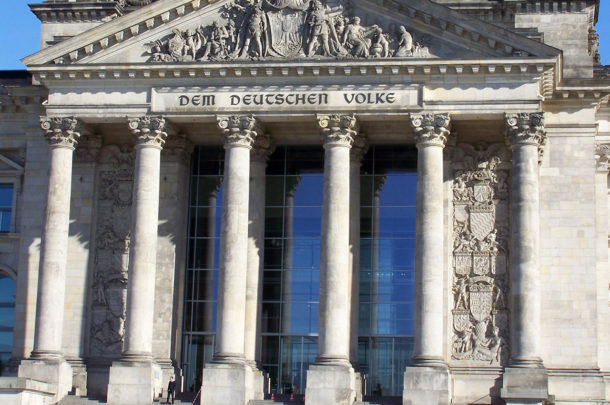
359,148
602,157
238,130
431,129
263,147
525,129
60,131
338,129
149,130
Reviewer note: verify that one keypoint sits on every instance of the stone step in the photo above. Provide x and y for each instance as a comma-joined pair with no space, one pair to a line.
76,400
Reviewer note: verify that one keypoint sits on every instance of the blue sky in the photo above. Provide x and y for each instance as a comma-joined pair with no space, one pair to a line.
20,32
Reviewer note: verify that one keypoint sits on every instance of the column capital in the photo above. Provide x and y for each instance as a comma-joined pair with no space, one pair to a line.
263,148
149,130
178,148
338,129
359,148
60,132
525,129
238,130
89,147
602,157
431,129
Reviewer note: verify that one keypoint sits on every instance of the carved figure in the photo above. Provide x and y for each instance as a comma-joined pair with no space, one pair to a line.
381,46
405,43
319,29
177,45
217,45
355,37
255,30
461,292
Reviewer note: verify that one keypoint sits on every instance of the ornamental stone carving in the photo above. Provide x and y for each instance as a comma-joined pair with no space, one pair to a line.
285,29
359,148
60,131
238,130
88,148
338,129
149,130
431,129
178,148
480,251
525,128
602,157
112,242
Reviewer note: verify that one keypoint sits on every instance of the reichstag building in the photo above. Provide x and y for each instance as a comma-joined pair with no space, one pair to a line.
328,202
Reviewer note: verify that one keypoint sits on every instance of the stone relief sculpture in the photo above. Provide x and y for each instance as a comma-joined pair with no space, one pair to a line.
111,262
480,248
283,29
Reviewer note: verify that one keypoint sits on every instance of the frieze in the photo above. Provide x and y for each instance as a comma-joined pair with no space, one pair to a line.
285,29
480,249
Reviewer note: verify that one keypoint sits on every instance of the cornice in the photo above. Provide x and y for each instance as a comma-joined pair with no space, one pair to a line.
314,68
76,12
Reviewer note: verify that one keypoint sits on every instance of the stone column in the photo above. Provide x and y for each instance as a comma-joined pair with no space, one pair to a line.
359,148
228,380
263,147
427,378
330,381
525,377
47,362
136,378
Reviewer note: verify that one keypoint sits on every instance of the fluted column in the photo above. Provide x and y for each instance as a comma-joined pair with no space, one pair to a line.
431,131
338,132
150,135
239,134
263,147
62,137
359,148
525,134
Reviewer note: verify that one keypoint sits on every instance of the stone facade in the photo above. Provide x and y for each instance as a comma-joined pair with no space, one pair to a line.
505,102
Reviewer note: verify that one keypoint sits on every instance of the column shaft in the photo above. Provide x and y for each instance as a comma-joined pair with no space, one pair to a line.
52,275
143,248
231,318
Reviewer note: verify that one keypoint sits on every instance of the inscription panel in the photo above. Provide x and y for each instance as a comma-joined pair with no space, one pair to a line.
214,100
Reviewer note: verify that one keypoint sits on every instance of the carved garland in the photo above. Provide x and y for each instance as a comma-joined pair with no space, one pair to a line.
480,251
284,29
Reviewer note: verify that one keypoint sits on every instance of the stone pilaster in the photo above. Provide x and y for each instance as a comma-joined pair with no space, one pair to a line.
331,381
229,379
47,362
136,376
427,378
526,377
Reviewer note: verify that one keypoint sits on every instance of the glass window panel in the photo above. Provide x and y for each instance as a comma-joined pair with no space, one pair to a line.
303,285
364,319
6,195
392,159
272,285
305,254
366,222
205,229
304,160
197,352
399,191
271,317
274,191
205,253
366,191
209,190
274,222
300,318
394,254
271,349
211,160
308,190
273,253
277,161
396,222
204,316
206,284
307,222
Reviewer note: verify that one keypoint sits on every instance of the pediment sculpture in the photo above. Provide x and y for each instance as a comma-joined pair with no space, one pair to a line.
284,29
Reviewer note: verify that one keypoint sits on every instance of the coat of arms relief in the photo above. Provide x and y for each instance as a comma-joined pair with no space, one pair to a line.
111,260
480,249
285,29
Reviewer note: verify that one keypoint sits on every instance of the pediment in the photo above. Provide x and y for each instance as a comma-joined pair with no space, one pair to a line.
196,32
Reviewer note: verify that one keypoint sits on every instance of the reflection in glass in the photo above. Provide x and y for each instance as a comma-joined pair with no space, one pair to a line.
7,318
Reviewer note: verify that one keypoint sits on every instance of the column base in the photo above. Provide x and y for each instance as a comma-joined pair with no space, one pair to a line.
79,376
57,373
522,385
25,391
330,385
426,385
230,384
133,383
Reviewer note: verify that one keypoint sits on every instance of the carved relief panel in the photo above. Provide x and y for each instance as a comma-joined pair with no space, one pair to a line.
480,252
112,236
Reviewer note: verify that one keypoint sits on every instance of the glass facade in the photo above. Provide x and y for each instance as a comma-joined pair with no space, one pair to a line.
294,183
7,318
6,207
